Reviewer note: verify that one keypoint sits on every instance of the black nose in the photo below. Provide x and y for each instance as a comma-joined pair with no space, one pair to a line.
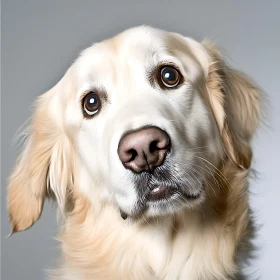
144,149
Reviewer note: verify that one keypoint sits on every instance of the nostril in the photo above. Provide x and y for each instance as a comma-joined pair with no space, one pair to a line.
157,145
153,146
133,154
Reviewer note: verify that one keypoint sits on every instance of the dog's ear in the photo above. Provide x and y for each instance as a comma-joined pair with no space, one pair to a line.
42,168
235,101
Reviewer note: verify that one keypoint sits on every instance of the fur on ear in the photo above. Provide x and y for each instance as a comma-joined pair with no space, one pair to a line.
235,101
42,168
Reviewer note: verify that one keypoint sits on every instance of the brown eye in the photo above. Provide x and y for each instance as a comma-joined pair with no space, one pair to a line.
170,77
91,103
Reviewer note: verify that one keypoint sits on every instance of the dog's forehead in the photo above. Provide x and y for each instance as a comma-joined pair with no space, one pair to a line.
130,49
127,57
132,43
141,41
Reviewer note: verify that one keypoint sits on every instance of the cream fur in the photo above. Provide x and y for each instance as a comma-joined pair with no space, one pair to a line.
211,119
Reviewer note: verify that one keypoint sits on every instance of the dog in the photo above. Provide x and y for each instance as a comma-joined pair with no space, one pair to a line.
144,144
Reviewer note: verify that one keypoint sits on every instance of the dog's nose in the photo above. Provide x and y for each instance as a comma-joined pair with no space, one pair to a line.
144,149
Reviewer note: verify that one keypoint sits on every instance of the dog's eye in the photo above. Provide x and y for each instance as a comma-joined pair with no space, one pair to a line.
170,77
91,104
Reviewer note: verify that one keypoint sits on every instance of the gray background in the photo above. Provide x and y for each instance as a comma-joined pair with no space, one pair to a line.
40,39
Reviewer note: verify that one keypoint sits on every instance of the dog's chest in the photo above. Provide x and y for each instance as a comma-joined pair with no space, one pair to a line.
168,249
164,250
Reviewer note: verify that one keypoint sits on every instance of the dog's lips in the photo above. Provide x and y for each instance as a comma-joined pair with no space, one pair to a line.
165,192
160,192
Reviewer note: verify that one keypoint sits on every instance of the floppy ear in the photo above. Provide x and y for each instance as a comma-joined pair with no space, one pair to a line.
235,102
42,168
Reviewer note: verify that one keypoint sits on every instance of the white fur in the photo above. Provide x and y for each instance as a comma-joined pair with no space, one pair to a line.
179,239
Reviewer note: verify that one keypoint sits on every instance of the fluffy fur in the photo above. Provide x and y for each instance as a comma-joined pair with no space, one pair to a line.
210,118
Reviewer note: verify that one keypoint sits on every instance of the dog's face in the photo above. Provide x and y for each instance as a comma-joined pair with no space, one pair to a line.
144,132
133,123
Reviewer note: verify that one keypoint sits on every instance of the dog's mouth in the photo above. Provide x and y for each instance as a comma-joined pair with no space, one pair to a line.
160,192
165,189
164,192
162,196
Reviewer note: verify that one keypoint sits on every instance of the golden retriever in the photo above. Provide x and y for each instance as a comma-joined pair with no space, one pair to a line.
145,146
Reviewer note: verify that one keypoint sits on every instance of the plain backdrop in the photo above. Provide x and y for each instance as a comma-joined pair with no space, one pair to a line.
40,39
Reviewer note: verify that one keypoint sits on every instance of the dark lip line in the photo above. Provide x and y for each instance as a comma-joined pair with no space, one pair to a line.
175,188
192,196
179,192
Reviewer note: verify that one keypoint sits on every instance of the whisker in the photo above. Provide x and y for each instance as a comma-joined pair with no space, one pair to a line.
211,174
208,183
217,171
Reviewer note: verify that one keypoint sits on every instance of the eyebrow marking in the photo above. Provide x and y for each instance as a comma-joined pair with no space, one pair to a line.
102,94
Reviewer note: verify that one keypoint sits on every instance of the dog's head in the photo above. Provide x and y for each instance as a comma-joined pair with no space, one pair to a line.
141,121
